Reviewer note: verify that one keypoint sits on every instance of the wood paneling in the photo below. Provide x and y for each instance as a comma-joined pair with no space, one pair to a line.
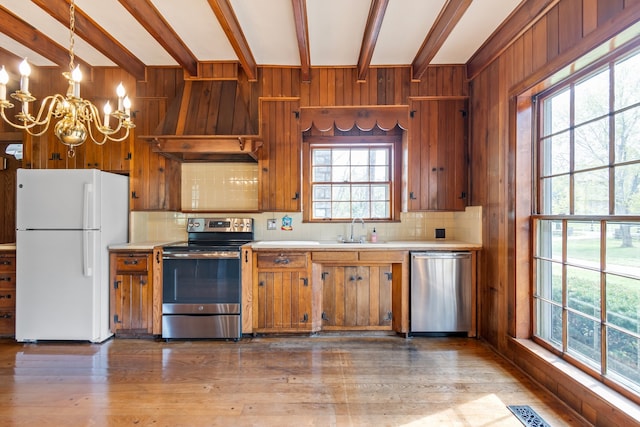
566,31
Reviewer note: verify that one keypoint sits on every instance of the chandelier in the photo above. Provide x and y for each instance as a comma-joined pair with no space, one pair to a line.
76,118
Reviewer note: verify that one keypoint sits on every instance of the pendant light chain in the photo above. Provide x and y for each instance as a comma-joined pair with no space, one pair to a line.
72,30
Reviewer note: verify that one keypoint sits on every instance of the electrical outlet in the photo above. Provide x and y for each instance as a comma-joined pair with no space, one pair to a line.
440,234
271,224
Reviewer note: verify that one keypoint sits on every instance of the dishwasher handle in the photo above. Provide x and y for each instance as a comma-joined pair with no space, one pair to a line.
440,254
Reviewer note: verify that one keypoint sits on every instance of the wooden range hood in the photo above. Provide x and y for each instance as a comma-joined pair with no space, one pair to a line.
209,122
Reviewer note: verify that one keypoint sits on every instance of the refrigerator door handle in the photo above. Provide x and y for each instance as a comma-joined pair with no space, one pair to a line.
87,250
87,203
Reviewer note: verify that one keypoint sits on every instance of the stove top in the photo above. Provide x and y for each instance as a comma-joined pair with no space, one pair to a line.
215,234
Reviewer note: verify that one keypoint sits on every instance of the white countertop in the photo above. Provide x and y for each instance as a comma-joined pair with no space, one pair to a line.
446,245
138,246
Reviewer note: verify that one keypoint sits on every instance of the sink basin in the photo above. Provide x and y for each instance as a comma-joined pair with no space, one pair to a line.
289,242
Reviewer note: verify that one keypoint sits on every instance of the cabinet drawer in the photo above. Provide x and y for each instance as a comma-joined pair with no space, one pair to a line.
7,280
282,260
386,256
7,322
132,263
7,263
335,256
7,299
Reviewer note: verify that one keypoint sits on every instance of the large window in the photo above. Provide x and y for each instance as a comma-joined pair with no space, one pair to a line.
587,226
348,179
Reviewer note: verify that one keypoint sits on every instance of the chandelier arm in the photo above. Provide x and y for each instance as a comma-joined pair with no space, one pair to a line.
31,122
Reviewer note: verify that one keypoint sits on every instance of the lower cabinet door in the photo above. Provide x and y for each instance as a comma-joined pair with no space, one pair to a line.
284,301
132,309
356,297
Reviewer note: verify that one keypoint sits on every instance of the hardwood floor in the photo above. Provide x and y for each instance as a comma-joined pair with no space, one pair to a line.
267,381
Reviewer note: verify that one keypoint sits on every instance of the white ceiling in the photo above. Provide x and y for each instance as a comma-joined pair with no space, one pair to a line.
335,27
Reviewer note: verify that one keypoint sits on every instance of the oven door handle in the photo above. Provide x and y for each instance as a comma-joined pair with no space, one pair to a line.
203,255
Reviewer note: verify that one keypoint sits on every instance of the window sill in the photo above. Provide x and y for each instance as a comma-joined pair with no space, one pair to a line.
593,400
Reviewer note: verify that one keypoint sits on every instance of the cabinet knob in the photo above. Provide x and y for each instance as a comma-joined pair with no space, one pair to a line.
7,296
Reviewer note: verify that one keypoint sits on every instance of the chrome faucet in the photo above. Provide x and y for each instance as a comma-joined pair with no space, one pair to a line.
352,239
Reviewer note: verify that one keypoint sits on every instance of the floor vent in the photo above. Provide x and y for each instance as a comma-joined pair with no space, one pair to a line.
528,416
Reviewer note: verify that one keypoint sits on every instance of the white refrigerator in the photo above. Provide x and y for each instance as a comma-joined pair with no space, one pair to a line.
66,219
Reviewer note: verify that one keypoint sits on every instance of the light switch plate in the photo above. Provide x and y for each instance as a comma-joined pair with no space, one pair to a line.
271,224
440,233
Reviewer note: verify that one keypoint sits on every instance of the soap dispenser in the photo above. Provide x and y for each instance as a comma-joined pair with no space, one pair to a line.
374,236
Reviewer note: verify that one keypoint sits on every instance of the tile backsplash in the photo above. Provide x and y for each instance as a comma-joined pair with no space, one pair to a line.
219,186
462,226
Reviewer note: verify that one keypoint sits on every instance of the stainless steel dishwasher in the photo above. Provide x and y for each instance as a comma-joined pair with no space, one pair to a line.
440,292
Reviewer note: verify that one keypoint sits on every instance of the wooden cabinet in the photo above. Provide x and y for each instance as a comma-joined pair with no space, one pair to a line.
131,296
283,295
437,154
279,161
356,297
155,179
7,293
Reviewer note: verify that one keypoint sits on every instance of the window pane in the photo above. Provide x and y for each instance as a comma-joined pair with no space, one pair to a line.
583,290
321,157
360,174
555,151
340,173
322,192
360,193
379,157
583,340
322,174
627,82
549,323
592,97
321,210
341,210
359,157
592,145
549,283
380,192
623,358
550,239
379,173
340,157
341,192
583,243
591,192
623,248
623,302
556,113
360,210
380,210
555,195
627,135
627,189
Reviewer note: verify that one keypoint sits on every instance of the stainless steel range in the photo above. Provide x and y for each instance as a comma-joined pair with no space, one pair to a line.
201,280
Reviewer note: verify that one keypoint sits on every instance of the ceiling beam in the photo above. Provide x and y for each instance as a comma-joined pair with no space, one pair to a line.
96,36
520,20
370,37
25,34
151,19
445,23
227,19
302,34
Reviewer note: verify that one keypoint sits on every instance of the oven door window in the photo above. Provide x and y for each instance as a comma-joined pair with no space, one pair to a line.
201,281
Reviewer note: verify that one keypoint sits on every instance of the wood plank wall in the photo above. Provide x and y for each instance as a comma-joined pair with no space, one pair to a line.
564,33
